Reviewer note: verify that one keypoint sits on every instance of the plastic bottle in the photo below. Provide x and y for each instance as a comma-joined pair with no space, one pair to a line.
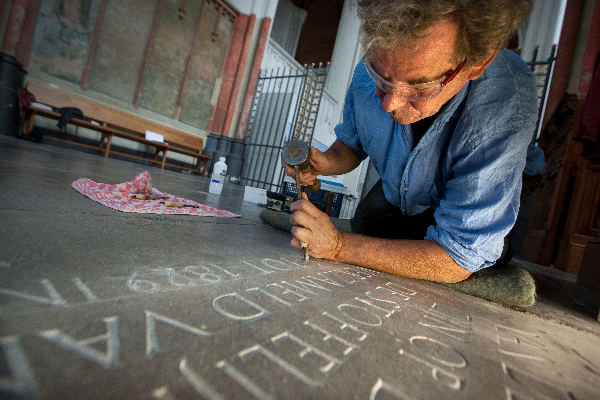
218,176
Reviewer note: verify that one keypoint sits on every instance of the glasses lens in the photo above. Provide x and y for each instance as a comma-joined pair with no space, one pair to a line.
381,83
408,92
422,94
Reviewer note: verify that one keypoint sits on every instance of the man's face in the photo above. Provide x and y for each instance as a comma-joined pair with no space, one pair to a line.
428,59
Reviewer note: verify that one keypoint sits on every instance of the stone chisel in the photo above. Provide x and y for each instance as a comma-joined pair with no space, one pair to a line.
295,153
298,197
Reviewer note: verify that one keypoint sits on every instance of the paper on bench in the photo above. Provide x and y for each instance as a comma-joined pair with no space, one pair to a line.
42,106
156,137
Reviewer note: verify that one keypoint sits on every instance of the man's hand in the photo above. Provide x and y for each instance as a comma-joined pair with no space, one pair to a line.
422,259
337,160
314,227
317,166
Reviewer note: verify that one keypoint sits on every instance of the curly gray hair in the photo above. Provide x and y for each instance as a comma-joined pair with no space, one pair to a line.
485,25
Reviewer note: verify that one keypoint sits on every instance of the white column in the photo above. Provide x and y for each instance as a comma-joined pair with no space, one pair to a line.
346,54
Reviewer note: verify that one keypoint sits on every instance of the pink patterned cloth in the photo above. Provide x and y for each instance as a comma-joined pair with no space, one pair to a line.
119,198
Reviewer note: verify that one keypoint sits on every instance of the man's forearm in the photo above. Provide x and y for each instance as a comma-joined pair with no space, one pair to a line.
340,159
421,259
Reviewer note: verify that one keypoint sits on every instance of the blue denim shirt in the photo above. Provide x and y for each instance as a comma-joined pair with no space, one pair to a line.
467,166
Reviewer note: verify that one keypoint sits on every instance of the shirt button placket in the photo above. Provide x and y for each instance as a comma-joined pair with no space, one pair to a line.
404,189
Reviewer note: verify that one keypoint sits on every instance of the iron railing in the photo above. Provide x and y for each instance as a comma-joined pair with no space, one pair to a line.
542,70
285,106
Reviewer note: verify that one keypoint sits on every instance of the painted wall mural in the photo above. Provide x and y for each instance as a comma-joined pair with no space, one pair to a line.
62,38
119,54
164,56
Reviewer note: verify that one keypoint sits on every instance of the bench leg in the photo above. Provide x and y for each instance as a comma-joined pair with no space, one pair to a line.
100,149
27,124
108,143
164,159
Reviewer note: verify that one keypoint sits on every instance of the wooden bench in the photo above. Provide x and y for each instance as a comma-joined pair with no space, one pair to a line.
112,122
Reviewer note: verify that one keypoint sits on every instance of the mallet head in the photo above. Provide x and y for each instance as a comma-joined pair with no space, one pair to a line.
295,153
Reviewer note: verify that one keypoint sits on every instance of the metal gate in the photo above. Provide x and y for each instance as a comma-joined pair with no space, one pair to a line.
285,106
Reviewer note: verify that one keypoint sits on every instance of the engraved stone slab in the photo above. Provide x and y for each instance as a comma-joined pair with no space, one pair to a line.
97,304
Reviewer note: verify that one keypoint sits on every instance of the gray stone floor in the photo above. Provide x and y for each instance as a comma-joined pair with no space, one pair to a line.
100,304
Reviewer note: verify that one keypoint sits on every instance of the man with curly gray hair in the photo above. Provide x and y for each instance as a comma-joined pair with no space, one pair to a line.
446,116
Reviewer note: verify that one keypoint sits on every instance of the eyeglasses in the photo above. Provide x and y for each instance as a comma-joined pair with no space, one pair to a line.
419,91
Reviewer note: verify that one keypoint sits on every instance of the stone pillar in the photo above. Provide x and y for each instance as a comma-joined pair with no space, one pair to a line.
27,31
20,28
238,75
218,117
16,18
254,73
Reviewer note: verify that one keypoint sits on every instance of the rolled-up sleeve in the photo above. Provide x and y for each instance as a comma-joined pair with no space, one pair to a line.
481,199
